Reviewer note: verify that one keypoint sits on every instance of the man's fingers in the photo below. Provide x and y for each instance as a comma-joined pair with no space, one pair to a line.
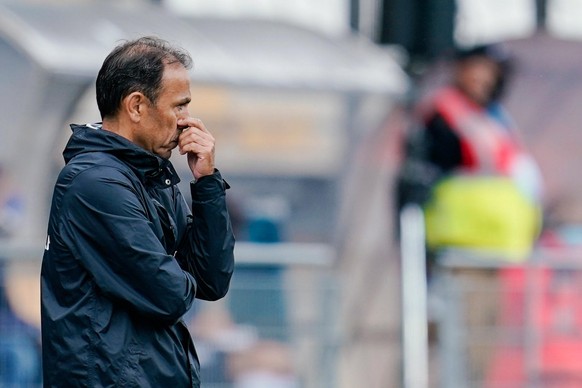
199,149
194,140
196,134
193,122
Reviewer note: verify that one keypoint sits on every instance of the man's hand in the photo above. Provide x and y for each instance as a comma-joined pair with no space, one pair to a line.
198,143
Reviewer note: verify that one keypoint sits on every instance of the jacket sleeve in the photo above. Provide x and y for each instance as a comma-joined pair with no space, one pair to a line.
207,248
107,229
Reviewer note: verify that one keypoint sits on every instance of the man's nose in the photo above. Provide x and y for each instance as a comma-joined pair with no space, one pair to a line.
180,122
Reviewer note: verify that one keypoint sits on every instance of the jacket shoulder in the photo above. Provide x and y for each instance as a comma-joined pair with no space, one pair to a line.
96,163
96,178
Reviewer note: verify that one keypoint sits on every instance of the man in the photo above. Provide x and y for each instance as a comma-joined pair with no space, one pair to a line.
485,198
488,192
466,128
124,257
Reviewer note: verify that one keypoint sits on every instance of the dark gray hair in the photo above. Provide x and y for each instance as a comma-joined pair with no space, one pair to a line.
135,66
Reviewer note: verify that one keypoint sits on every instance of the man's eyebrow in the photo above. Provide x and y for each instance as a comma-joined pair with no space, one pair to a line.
184,101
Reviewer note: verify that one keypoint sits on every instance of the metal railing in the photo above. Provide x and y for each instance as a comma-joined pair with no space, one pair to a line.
279,320
506,324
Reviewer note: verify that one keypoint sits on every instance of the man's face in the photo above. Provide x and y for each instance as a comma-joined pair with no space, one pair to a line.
159,131
477,77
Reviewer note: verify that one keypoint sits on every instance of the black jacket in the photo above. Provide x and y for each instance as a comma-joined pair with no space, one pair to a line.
123,262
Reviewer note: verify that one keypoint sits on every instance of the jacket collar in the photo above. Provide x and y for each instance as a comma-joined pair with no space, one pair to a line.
150,168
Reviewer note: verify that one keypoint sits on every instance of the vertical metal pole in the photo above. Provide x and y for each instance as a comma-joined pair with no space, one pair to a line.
355,15
414,296
541,14
452,332
330,333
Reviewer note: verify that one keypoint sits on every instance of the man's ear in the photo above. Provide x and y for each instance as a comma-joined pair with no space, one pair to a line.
134,105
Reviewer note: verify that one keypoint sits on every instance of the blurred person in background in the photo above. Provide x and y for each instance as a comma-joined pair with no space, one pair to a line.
480,188
11,205
125,257
20,360
236,355
20,357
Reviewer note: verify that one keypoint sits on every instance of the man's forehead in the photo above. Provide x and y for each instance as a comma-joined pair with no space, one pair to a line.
175,73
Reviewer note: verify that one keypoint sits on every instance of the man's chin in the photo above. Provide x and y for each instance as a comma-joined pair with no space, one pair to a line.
164,154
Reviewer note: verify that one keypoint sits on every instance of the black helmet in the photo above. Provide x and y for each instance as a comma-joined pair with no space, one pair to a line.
496,52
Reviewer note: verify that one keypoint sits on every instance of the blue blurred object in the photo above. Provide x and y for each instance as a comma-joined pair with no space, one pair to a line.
20,362
257,295
264,230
